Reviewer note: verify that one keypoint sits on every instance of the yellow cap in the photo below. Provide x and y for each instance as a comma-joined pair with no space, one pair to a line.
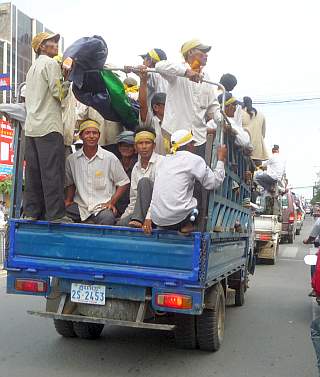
89,124
41,37
194,43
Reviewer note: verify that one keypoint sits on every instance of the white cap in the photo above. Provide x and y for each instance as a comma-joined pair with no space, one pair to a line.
181,137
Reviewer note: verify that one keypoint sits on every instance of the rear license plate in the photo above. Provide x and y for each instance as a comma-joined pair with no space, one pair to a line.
88,294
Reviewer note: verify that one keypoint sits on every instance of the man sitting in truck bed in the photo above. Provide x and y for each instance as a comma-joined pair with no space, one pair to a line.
95,180
137,214
173,203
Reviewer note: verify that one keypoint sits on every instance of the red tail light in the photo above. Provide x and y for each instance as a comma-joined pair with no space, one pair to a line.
299,216
263,237
30,285
174,300
291,218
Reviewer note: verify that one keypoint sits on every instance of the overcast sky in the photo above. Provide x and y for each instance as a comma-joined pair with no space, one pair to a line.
272,47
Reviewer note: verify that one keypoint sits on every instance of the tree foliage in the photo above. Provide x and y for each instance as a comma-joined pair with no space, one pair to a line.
6,185
316,191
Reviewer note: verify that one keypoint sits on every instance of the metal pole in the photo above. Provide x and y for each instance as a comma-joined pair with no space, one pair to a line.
220,86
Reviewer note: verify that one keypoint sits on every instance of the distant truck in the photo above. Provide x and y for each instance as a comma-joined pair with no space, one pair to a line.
268,225
267,236
95,275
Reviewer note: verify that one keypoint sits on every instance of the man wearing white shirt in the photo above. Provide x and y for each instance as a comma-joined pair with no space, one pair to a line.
155,83
137,214
233,112
172,199
274,171
154,117
189,104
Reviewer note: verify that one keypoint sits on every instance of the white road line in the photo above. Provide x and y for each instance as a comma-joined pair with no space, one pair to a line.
3,274
291,260
289,252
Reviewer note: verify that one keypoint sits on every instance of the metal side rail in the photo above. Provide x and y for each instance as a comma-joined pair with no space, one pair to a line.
111,322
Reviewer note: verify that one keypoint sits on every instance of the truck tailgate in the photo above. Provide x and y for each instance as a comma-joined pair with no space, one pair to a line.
108,253
267,223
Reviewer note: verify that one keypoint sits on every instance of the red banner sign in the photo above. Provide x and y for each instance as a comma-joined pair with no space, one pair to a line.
6,149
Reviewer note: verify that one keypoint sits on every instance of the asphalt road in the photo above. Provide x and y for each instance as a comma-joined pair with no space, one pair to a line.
268,337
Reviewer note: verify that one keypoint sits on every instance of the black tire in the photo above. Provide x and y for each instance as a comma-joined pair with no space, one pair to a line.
64,328
185,331
270,262
87,330
239,298
210,324
298,232
290,238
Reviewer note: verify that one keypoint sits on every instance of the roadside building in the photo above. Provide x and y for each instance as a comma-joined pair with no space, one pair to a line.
16,55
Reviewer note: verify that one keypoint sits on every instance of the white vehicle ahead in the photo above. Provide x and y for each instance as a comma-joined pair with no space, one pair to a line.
267,236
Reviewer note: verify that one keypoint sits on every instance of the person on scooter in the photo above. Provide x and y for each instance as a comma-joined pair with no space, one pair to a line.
315,232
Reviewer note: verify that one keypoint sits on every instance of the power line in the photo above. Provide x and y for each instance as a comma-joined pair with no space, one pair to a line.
287,101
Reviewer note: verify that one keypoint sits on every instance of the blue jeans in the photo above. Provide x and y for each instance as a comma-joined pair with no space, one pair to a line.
315,337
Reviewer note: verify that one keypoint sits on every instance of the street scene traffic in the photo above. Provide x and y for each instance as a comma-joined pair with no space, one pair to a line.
268,336
154,205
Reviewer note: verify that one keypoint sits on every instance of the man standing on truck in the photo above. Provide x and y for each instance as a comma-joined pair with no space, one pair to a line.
95,180
44,152
233,112
154,117
173,204
189,104
155,83
137,214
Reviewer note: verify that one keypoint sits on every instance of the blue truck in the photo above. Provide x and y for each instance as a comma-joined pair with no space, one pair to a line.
94,275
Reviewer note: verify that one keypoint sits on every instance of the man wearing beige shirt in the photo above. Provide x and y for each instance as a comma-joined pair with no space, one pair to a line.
44,195
95,180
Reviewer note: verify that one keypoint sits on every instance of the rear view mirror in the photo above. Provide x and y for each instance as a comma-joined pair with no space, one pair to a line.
310,260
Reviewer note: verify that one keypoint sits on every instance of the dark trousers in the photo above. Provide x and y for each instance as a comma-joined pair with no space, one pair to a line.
104,217
315,337
177,226
200,150
45,171
144,196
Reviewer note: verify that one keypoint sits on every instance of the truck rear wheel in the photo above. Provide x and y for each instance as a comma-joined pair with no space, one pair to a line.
298,232
88,330
185,331
210,324
64,328
290,238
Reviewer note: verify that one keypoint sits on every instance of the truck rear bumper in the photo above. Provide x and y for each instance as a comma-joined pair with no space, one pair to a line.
110,322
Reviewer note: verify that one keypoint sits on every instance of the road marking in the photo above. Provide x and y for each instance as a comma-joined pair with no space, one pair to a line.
291,260
289,252
3,274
